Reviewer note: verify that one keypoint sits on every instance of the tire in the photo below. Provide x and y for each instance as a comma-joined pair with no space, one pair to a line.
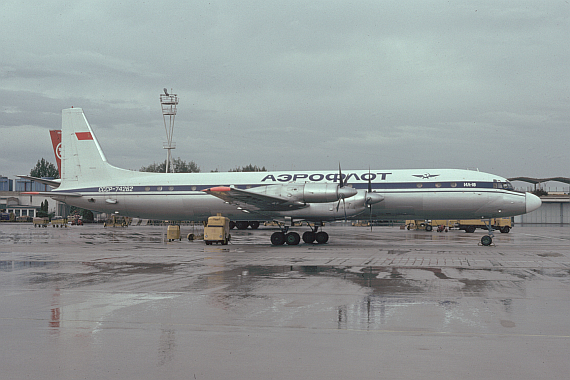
470,229
429,228
278,238
322,237
254,225
505,229
242,225
309,237
232,224
292,238
486,240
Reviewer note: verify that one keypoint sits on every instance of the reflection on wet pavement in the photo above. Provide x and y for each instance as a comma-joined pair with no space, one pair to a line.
81,298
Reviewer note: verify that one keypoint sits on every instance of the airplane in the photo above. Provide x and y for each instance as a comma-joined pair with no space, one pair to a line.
88,181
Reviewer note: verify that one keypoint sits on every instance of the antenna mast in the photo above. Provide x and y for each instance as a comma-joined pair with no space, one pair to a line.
168,103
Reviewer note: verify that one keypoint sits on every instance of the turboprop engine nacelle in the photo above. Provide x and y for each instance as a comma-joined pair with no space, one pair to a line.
309,192
326,192
372,198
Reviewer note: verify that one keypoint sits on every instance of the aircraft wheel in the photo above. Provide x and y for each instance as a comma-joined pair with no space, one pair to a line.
322,237
278,238
254,225
309,237
292,238
486,240
242,225
505,229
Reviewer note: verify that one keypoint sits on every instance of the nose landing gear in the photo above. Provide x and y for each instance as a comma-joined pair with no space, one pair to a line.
487,240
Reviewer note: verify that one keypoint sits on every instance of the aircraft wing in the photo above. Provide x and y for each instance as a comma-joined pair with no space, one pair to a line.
50,182
253,201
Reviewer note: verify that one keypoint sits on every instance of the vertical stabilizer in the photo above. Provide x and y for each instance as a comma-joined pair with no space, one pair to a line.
56,143
82,160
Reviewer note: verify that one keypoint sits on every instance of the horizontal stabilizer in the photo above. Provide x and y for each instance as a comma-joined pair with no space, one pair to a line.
50,182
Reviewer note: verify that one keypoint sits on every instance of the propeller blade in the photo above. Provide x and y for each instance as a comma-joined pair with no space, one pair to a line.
342,195
370,217
367,199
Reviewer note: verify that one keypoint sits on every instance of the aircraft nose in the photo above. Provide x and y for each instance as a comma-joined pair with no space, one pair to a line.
532,202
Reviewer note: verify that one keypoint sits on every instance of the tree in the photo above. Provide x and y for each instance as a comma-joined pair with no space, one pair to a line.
249,168
180,166
87,215
43,211
44,169
540,192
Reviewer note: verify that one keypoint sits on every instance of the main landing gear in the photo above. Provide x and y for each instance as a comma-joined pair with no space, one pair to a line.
244,224
293,238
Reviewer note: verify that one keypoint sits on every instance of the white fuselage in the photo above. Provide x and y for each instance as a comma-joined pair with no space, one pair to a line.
447,194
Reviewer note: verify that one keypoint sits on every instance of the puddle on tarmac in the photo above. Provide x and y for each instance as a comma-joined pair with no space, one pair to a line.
382,292
12,265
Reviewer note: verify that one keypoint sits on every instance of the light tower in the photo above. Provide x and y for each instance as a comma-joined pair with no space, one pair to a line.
168,103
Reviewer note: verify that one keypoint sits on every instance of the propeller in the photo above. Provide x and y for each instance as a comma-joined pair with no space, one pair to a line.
368,199
371,197
341,194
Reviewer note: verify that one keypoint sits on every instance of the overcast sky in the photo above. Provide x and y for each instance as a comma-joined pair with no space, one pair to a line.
295,84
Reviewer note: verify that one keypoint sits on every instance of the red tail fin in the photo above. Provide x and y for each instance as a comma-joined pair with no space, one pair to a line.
56,142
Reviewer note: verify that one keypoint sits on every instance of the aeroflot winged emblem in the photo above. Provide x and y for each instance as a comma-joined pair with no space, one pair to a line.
426,175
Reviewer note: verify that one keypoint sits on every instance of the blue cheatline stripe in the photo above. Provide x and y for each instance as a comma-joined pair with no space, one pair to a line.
166,189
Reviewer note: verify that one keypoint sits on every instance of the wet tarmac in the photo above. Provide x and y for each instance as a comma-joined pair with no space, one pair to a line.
88,302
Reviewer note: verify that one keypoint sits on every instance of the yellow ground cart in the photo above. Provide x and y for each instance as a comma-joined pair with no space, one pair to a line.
59,221
41,222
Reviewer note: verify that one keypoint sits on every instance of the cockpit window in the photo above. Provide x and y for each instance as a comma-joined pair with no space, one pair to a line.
502,185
